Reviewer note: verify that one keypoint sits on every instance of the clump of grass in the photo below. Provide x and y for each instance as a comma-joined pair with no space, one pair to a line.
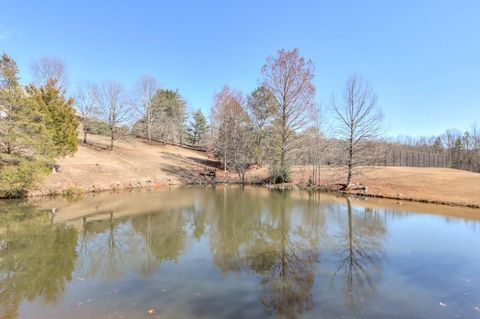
72,191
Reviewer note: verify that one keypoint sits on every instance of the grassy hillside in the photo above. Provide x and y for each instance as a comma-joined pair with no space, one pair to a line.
134,163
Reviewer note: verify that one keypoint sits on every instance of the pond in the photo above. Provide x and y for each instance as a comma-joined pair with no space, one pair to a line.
227,252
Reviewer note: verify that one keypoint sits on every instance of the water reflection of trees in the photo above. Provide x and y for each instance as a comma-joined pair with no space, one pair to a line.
287,272
267,237
36,257
359,250
278,237
110,247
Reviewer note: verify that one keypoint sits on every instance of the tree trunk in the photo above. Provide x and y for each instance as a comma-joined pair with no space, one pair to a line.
225,162
149,130
350,163
84,135
112,137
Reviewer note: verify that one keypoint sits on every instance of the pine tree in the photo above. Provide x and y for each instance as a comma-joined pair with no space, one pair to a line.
197,127
59,115
8,72
22,125
25,142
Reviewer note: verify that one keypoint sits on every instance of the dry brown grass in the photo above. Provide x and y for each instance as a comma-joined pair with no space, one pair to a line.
442,185
131,163
134,163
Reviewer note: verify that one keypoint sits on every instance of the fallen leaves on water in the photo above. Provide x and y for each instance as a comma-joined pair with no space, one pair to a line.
151,311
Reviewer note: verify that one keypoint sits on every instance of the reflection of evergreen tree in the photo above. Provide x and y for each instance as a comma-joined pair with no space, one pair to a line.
36,259
360,255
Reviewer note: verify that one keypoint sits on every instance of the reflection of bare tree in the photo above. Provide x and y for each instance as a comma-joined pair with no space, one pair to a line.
163,233
109,247
248,231
233,221
106,247
360,255
284,258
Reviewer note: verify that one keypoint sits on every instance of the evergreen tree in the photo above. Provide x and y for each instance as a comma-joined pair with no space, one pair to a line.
22,125
60,117
261,105
457,152
438,145
166,117
25,141
197,127
8,72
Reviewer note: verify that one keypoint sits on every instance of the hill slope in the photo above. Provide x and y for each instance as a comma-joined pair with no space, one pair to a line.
134,163
131,163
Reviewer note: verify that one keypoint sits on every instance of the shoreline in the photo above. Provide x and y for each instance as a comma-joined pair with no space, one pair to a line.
159,183
135,164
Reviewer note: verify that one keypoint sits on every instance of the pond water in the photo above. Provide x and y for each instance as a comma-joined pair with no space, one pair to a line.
225,252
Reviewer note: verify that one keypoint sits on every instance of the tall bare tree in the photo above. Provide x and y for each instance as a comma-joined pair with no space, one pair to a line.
289,77
50,69
313,147
145,90
231,127
114,106
85,103
359,125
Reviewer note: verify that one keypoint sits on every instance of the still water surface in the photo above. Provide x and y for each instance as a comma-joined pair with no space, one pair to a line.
225,252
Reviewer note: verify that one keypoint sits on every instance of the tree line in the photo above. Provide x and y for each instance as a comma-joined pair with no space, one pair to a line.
461,150
39,122
147,111
270,126
279,124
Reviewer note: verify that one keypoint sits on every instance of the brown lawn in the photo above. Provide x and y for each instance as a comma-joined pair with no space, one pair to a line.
134,163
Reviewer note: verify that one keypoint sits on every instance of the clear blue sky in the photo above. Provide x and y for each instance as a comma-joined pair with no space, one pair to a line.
421,57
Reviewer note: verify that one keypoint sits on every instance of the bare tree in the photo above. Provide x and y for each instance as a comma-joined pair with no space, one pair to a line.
50,69
145,90
313,146
114,106
85,99
289,77
227,106
358,126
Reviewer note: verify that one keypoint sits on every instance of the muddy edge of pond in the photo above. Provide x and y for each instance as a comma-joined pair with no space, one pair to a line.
162,183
